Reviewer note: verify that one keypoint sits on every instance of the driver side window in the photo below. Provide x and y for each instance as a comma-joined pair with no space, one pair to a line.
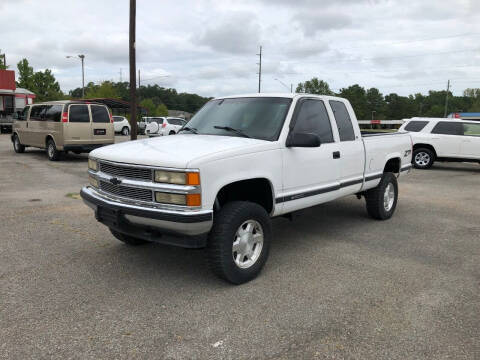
313,118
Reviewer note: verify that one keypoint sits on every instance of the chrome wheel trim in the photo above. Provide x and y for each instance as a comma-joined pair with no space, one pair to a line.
422,158
51,150
125,131
389,197
248,243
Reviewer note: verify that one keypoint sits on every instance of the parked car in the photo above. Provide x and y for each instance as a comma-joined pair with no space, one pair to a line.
166,126
239,162
61,126
443,139
121,125
142,125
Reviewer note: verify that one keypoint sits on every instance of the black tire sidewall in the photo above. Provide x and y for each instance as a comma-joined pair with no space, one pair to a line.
17,146
388,178
225,226
55,155
430,163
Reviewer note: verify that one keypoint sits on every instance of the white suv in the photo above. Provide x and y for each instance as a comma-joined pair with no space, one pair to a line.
121,125
443,139
164,126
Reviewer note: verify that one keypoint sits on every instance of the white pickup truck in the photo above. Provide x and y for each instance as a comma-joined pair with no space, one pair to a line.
239,162
443,139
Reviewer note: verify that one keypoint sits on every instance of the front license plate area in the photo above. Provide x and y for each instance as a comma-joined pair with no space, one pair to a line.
99,131
108,216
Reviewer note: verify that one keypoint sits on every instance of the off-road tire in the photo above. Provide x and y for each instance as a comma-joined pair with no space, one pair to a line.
375,198
227,222
129,240
17,146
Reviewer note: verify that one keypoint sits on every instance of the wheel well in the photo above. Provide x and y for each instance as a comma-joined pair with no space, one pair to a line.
257,190
48,137
392,165
425,146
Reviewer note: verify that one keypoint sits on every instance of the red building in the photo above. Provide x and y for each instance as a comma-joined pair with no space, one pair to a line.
12,99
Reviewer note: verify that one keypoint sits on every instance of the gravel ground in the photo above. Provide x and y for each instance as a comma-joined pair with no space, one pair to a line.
337,284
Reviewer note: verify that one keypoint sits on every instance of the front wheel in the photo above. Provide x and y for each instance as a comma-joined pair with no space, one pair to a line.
423,158
125,131
382,200
239,241
17,146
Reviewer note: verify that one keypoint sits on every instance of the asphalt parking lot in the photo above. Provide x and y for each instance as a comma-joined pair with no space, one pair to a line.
337,284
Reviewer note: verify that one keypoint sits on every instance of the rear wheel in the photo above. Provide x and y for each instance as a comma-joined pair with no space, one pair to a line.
125,131
17,146
423,158
129,240
382,200
239,241
52,152
172,133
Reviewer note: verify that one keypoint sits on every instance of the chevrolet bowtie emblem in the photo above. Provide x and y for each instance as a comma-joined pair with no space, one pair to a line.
115,181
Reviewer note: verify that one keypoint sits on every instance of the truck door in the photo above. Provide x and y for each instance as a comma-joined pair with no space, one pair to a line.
35,133
310,174
470,146
352,151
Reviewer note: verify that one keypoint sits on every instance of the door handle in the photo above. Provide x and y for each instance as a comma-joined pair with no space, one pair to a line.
336,154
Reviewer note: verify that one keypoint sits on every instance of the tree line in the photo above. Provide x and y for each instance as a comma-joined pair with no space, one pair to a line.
369,103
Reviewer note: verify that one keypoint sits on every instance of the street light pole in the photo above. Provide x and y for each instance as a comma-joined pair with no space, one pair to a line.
82,59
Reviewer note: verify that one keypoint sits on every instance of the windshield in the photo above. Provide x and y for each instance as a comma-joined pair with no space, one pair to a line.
258,117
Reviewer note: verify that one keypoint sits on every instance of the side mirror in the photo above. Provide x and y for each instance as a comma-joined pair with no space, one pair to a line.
300,139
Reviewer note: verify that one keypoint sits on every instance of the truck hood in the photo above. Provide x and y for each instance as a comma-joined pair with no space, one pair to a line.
177,151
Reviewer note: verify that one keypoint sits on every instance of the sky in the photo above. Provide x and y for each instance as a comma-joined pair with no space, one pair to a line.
209,47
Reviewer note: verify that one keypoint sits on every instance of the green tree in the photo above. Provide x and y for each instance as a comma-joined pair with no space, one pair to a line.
161,110
357,97
46,87
105,90
3,66
149,105
25,75
314,86
375,102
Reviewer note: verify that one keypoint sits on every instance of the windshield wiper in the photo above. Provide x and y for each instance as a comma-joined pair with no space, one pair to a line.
236,131
186,128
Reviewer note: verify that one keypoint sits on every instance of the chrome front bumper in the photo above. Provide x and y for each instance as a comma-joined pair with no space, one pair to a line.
141,221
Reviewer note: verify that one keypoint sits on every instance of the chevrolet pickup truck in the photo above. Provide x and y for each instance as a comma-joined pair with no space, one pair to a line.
239,162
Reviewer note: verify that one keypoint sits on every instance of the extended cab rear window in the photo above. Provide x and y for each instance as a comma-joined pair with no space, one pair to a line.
344,123
79,114
100,114
416,126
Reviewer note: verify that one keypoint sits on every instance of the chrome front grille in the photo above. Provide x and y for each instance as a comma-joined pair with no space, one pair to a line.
127,192
127,172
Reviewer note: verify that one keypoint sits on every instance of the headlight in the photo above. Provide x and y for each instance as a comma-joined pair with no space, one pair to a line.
93,181
92,165
178,199
175,177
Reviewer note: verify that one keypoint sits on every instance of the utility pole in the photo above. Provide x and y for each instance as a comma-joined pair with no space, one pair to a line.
120,74
291,88
133,81
4,60
139,78
82,58
446,99
260,70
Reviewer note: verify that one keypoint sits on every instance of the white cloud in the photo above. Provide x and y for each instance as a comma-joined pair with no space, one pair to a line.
210,47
